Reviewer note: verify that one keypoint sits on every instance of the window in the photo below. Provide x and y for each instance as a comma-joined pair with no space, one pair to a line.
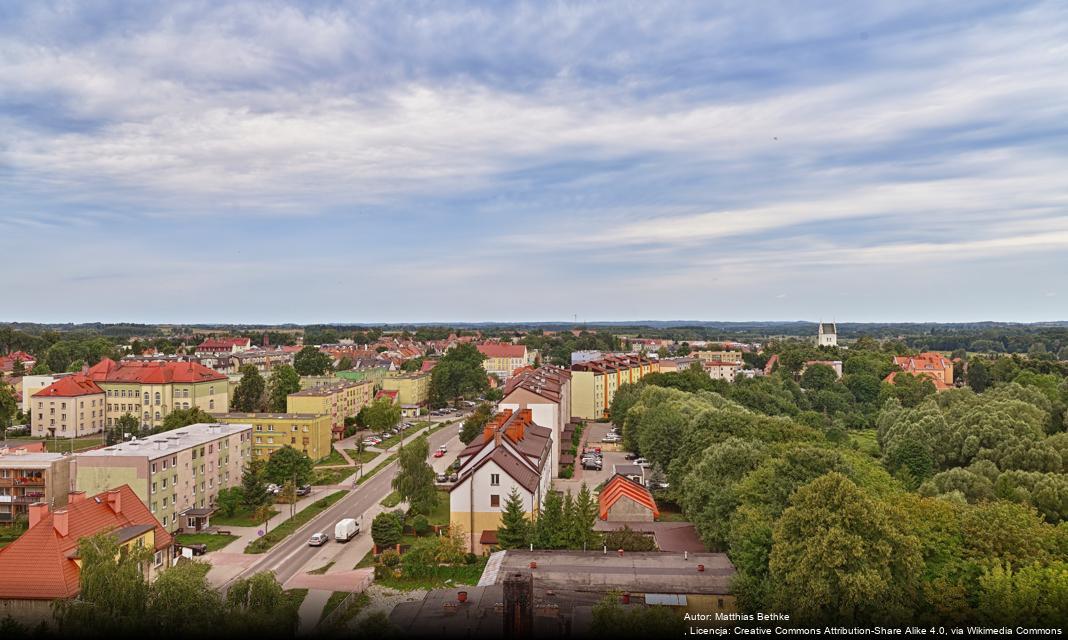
192,522
153,467
157,415
157,397
165,517
159,556
495,479
211,404
154,487
495,500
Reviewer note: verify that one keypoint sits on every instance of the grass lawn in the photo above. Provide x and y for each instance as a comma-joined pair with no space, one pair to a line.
364,457
392,500
446,577
60,445
280,532
333,459
440,514
296,597
357,604
214,541
241,518
866,441
331,476
321,570
368,474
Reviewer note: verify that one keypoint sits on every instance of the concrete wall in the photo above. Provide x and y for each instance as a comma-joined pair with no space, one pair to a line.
626,510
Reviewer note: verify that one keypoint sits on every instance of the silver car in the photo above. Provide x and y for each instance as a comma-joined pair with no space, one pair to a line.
318,540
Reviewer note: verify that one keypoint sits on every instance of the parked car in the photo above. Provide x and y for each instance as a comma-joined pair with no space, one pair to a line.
441,478
660,485
439,454
346,529
641,462
611,438
592,465
304,490
631,456
318,539
453,477
443,448
273,489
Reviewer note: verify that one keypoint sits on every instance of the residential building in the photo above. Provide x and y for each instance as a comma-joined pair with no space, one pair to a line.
413,390
722,370
718,356
224,345
308,432
70,407
263,359
546,392
178,473
314,382
33,384
930,364
151,390
585,356
502,358
676,365
26,478
367,369
338,401
42,565
594,383
511,453
624,500
827,334
7,363
834,364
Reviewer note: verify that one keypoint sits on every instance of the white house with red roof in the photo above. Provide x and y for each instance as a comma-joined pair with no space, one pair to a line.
502,358
223,345
71,407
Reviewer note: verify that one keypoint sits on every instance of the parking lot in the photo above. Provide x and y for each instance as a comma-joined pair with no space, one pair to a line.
613,454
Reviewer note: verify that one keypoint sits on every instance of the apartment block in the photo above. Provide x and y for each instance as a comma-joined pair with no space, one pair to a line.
307,432
26,478
502,359
718,370
70,407
413,390
718,356
337,401
546,393
594,383
178,474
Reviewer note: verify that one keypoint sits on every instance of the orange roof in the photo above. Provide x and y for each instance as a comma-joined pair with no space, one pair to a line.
621,487
69,387
108,370
39,565
501,350
224,343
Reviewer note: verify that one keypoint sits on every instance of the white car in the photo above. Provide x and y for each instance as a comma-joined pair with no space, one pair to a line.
611,438
641,462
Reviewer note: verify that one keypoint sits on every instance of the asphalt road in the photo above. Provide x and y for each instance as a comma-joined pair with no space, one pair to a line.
288,557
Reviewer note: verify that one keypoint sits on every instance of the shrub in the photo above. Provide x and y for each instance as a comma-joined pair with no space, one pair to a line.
628,539
387,528
420,525
390,558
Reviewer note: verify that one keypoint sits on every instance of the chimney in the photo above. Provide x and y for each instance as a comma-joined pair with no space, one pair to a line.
38,510
74,497
115,500
61,522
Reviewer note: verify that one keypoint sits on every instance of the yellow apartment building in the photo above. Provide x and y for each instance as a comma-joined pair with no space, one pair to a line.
594,383
413,390
308,432
336,401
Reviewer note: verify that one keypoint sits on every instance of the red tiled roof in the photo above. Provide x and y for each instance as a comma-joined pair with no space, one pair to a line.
223,343
501,350
427,365
621,487
7,363
152,372
69,387
38,565
387,393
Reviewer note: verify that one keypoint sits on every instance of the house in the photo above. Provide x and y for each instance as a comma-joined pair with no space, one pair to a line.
718,370
7,363
624,500
71,407
935,366
27,477
42,565
502,359
594,383
178,473
511,453
32,384
718,356
223,345
546,392
827,334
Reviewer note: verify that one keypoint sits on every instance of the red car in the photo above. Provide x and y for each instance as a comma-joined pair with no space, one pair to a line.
439,453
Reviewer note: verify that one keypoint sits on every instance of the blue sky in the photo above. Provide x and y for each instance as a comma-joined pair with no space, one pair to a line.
384,161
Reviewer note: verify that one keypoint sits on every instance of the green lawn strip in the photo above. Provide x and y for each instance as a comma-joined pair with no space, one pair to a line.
440,514
241,518
364,457
213,541
392,500
296,597
335,458
372,472
331,476
368,560
358,603
321,570
443,577
280,532
866,441
333,603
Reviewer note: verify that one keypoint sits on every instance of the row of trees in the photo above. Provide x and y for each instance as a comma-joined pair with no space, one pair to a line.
255,394
564,522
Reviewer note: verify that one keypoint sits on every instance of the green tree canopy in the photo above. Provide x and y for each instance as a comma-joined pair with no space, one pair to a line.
415,478
248,396
309,361
288,465
284,380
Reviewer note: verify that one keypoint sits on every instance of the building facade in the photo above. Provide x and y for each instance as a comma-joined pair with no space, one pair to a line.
307,432
413,390
502,358
722,370
932,365
718,356
594,383
172,472
71,407
26,478
827,334
336,401
546,393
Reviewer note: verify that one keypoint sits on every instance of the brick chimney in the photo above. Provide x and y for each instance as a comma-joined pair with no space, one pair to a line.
115,500
61,522
74,497
38,510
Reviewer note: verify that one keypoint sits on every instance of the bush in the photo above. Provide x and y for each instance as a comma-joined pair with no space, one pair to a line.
390,558
387,528
420,525
628,539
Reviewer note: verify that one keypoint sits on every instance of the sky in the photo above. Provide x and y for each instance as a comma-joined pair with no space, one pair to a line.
271,162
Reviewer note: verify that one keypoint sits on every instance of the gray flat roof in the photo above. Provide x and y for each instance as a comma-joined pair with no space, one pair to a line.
13,460
176,440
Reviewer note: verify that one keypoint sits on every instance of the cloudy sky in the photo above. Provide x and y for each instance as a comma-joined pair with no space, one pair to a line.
386,161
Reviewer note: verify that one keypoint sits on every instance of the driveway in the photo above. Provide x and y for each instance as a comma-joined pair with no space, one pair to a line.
613,455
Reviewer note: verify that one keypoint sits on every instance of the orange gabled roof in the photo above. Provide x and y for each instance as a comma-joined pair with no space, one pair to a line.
152,372
501,350
39,565
621,487
69,387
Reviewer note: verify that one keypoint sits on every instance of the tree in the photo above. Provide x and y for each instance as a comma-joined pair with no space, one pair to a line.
583,516
126,423
380,415
41,369
113,592
288,465
612,620
181,602
284,380
978,376
9,406
18,369
514,531
253,487
248,396
387,528
839,555
909,389
458,373
309,361
549,527
475,423
818,376
229,500
258,606
344,363
415,478
179,418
